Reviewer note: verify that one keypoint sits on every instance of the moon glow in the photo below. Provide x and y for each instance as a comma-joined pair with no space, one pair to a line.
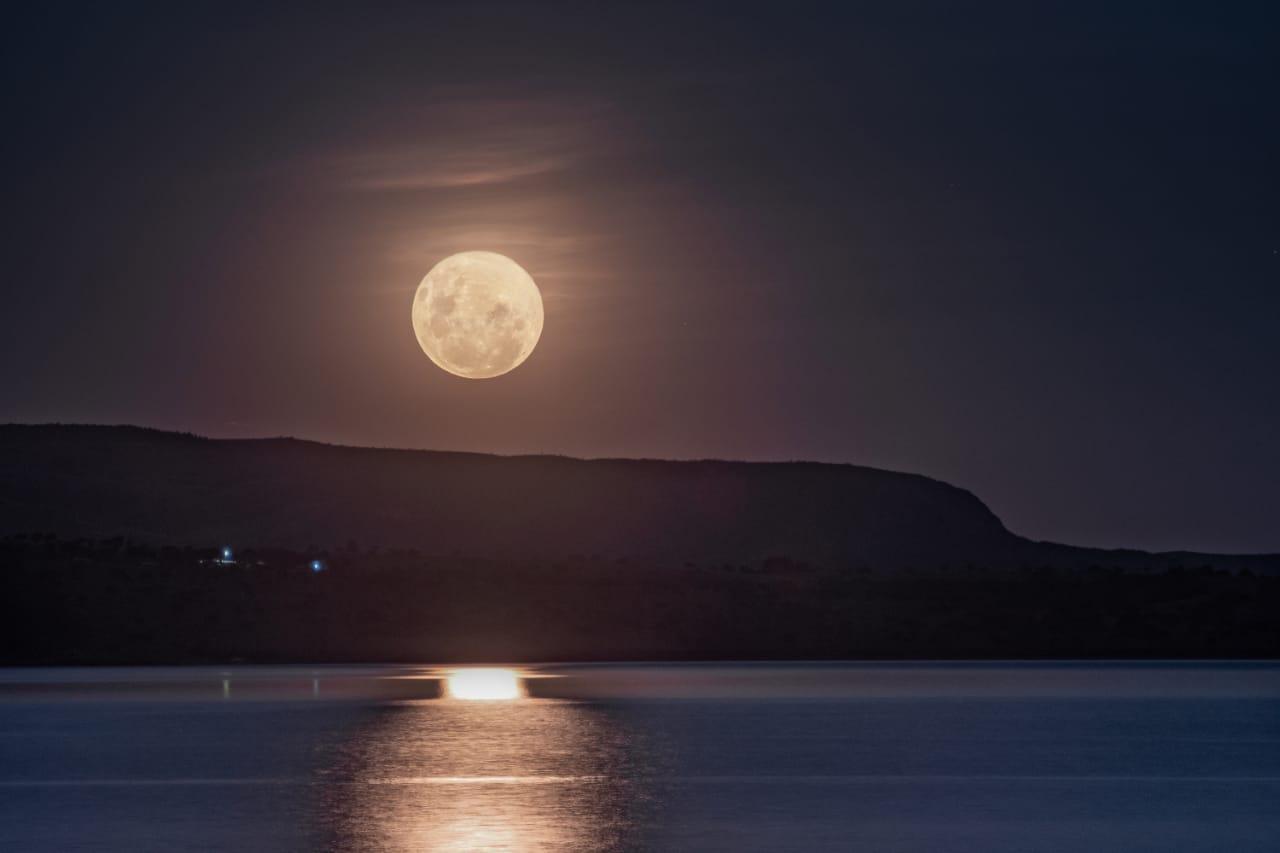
477,314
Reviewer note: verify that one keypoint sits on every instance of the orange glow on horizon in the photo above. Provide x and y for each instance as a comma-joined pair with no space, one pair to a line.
483,684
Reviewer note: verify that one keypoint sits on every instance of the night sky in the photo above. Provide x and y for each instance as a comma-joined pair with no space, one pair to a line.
1031,249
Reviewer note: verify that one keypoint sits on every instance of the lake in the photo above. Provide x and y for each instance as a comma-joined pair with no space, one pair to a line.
878,757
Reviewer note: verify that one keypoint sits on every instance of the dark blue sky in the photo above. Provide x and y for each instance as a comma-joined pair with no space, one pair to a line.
1032,249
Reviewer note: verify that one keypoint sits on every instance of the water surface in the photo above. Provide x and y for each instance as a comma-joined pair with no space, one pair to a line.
877,757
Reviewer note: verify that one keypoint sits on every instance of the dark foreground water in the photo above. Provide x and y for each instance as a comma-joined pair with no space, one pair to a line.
929,757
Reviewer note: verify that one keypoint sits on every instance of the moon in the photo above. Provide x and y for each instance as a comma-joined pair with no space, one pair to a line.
477,314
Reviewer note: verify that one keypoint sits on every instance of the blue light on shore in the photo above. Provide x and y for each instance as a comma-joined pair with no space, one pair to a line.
317,566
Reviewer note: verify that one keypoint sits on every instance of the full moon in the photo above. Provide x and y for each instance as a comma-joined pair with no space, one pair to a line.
477,314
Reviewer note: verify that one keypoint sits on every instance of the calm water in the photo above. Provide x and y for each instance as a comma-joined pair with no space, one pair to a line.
929,757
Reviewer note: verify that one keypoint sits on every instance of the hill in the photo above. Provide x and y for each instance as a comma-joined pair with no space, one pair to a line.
109,552
169,488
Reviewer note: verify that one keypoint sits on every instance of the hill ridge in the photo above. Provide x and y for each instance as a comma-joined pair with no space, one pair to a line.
165,486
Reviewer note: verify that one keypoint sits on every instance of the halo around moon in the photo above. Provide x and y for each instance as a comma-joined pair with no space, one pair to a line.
477,314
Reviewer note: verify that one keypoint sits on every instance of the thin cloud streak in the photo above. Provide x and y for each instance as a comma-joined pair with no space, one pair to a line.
482,142
430,170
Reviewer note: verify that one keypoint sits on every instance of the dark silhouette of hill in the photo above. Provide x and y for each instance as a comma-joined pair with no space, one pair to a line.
109,535
170,488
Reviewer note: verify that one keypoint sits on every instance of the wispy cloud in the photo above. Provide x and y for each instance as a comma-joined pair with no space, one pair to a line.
467,170
418,170
474,143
